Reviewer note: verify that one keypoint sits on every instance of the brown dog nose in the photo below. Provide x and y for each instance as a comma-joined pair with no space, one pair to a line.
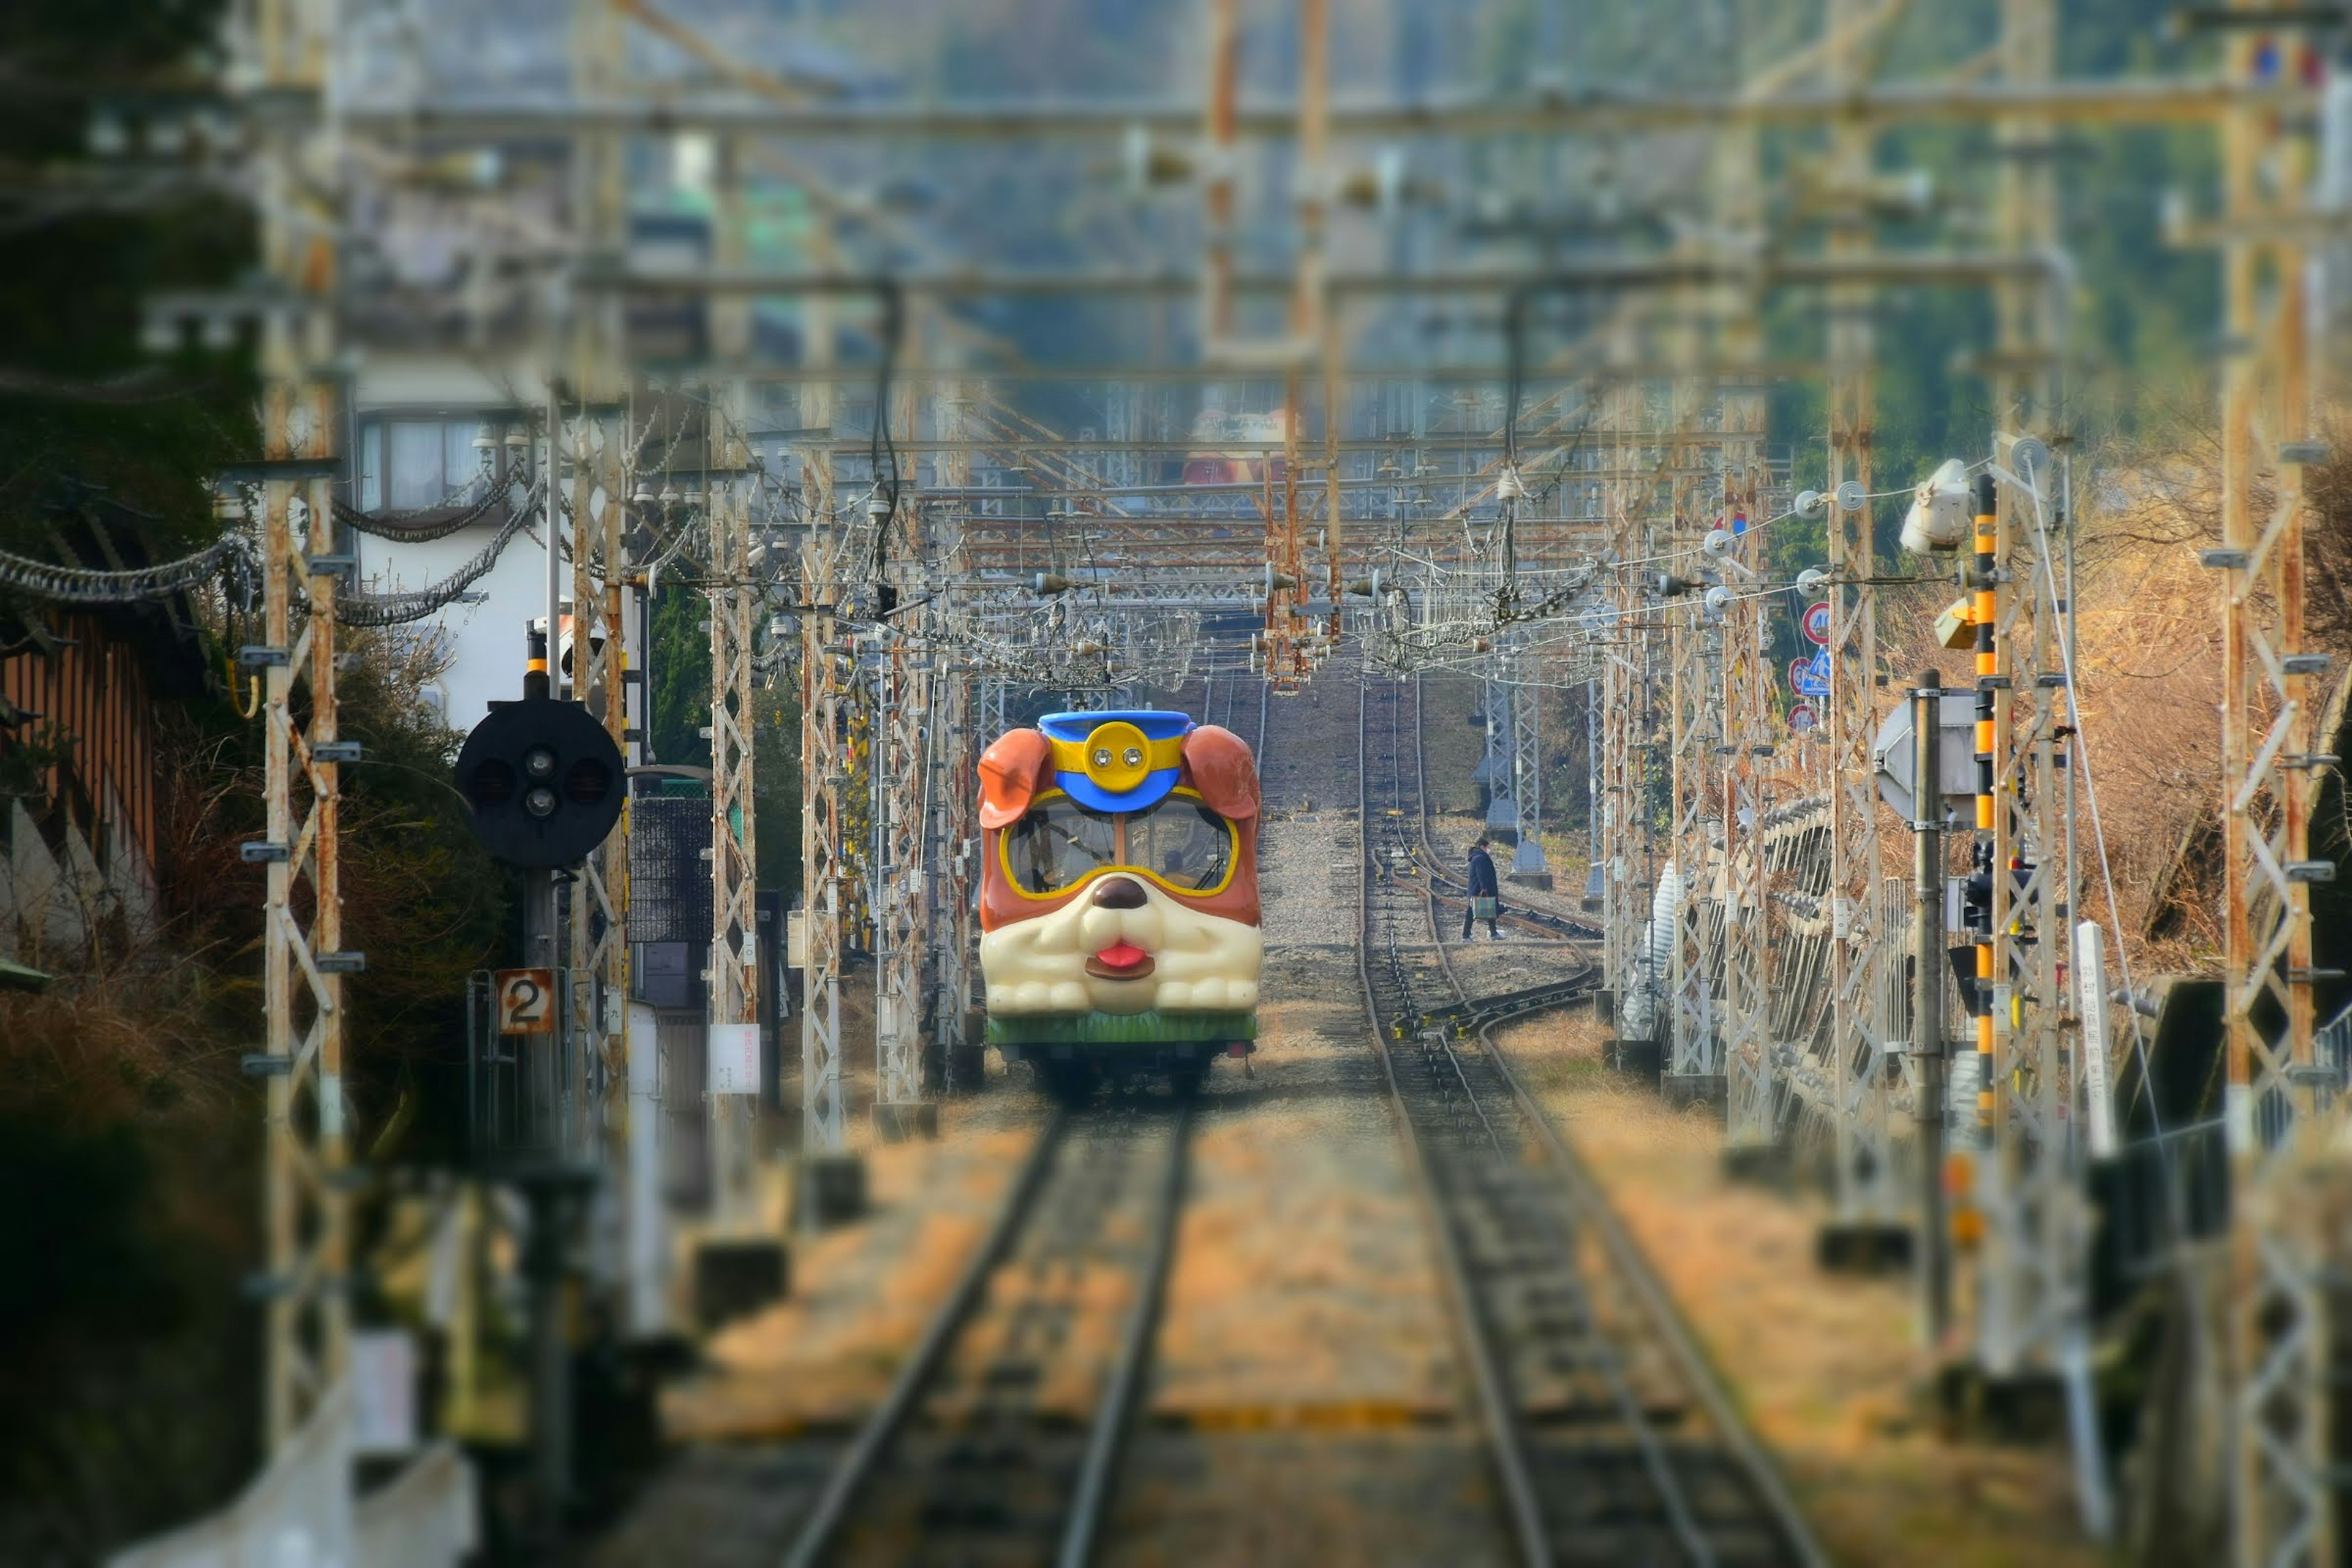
1120,893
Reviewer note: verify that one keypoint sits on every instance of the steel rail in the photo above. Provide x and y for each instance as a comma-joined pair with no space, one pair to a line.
1114,1408
1114,1414
1671,1494
1657,1312
1665,1316
1429,850
1661,1310
1502,1426
1529,914
1510,1004
1662,1314
1264,697
858,1461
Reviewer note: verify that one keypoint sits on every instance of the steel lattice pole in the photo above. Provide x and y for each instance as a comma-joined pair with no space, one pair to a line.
306,1209
1866,1191
734,848
2280,1112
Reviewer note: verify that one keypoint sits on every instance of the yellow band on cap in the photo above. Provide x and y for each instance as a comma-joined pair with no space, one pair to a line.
1117,756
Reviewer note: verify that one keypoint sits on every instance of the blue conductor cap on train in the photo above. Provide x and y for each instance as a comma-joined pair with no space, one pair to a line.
1117,762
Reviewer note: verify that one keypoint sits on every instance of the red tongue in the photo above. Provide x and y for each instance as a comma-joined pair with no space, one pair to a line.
1122,955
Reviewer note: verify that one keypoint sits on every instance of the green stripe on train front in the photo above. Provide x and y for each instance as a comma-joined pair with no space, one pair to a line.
1149,1028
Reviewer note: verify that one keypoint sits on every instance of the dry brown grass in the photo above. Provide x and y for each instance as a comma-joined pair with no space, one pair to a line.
860,1298
1828,1370
2147,668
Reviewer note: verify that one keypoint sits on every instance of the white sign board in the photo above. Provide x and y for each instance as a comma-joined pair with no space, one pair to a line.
383,1391
2091,997
734,1058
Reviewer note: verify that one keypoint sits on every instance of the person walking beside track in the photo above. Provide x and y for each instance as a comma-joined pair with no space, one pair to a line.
1486,892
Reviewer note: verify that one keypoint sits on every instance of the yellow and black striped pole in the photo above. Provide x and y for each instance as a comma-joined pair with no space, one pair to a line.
535,679
1984,613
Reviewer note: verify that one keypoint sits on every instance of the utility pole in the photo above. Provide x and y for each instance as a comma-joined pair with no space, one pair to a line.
1751,1090
734,813
1695,1067
2281,1109
903,677
597,954
604,676
2037,1229
602,673
954,795
1524,696
1869,1208
829,1183
306,1205
1928,999
1497,755
956,871
1626,721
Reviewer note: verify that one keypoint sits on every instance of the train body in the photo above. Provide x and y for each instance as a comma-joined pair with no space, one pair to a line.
1119,902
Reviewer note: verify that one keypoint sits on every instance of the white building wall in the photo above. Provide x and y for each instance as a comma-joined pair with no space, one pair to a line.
484,643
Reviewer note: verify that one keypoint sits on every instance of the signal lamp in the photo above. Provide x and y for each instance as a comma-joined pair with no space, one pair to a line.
544,780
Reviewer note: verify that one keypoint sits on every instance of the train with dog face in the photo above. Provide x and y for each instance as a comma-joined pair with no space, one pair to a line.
1118,897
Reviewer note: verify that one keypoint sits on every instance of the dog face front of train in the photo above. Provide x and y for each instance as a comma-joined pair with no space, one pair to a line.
1122,873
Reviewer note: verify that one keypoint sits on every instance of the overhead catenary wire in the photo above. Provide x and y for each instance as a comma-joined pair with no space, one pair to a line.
361,607
394,525
91,585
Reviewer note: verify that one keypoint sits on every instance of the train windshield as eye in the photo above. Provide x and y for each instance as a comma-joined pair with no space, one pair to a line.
1059,845
1184,843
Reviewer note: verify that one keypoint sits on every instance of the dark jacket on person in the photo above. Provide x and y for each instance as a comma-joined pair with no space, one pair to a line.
1482,874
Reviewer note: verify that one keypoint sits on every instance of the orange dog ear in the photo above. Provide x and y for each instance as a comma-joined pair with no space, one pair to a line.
1011,772
1220,766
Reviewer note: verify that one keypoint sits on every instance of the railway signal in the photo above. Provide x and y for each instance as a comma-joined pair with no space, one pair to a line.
543,780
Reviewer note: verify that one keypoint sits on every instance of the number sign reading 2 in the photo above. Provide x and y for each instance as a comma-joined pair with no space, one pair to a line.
526,1001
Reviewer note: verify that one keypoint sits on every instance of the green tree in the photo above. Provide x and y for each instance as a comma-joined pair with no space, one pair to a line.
677,674
677,677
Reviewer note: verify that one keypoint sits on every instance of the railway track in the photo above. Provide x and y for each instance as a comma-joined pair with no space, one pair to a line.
1227,696
1000,1439
978,1455
1609,1437
1442,878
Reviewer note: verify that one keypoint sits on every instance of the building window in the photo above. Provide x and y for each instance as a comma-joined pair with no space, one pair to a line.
416,477
370,466
411,465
